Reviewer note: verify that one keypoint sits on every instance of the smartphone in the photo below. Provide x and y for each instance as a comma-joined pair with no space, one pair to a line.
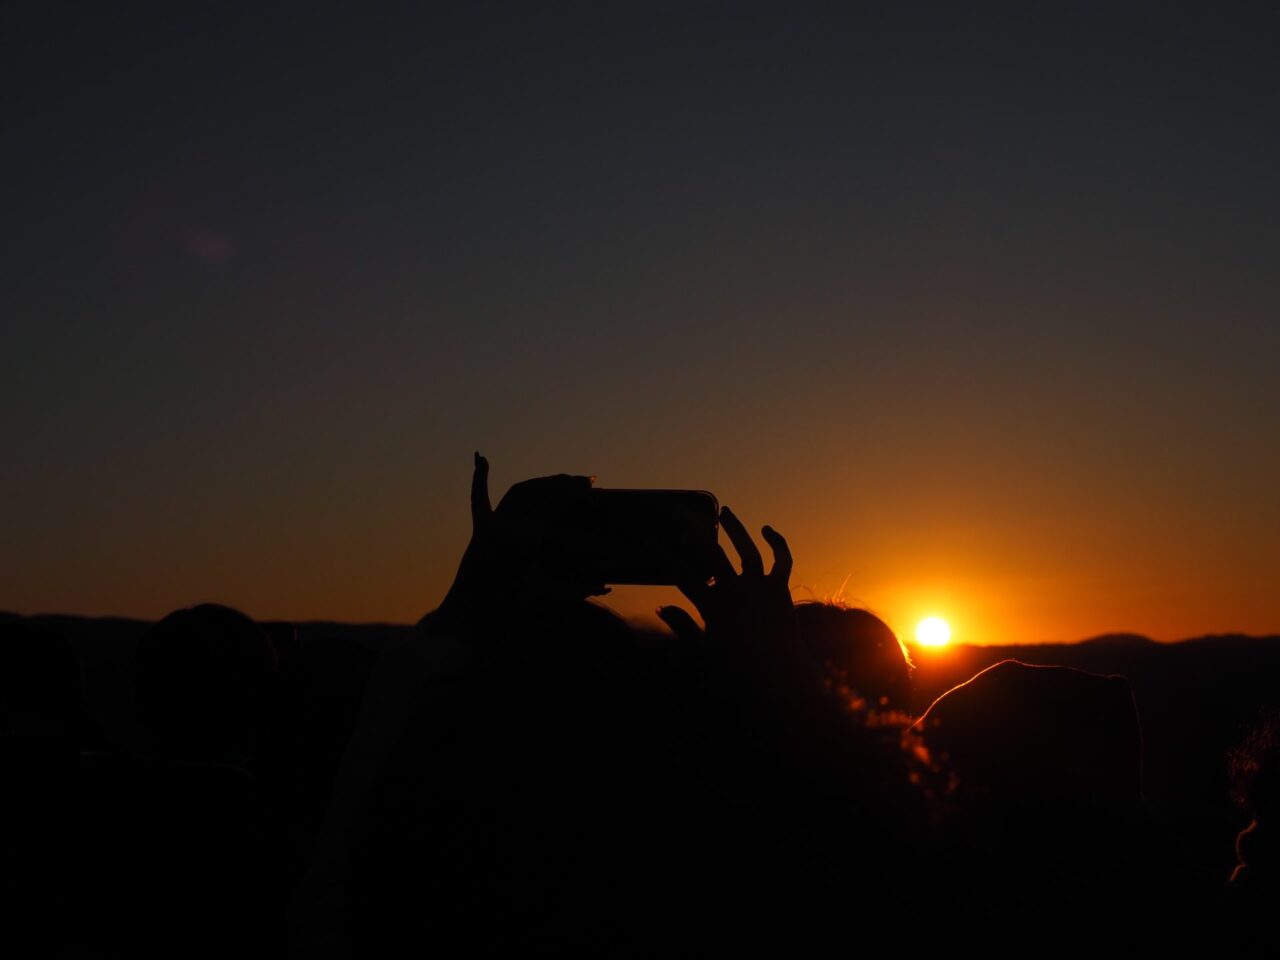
658,537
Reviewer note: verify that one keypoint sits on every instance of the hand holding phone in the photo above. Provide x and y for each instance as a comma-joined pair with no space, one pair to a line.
659,537
556,540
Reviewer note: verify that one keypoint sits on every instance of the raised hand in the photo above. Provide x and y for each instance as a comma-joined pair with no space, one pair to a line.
751,608
766,709
520,554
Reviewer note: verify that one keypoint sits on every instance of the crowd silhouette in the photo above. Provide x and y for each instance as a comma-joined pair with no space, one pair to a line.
526,773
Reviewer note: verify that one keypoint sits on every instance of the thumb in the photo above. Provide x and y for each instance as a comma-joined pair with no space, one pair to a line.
481,511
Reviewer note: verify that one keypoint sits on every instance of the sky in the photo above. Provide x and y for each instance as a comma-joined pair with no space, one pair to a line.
976,304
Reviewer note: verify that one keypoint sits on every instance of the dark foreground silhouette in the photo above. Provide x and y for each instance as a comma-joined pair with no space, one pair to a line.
525,773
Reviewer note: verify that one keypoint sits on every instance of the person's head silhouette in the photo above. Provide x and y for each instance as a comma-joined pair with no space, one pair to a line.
859,649
203,676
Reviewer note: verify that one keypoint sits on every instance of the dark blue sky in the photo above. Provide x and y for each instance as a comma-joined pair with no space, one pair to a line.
977,303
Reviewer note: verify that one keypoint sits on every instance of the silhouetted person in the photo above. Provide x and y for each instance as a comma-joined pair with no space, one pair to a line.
203,678
859,650
185,853
527,776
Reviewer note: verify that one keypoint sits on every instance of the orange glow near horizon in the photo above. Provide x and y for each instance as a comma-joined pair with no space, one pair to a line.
1005,568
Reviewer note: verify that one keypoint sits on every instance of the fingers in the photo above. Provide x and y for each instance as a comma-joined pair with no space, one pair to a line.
718,562
481,510
696,593
681,624
748,552
781,554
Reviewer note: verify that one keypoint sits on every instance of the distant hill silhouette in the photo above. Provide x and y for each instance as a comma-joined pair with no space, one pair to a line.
1119,640
1197,699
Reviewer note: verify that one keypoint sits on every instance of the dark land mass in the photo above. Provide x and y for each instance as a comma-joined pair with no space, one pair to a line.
1197,700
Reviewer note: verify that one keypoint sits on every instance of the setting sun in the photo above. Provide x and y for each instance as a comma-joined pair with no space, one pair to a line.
933,632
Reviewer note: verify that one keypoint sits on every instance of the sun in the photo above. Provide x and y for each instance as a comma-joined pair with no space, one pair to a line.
933,632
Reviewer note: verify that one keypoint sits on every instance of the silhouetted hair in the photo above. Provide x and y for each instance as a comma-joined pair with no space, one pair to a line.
1043,733
1255,769
1255,785
860,649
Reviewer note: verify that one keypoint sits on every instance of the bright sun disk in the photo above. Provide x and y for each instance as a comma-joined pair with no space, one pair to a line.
933,632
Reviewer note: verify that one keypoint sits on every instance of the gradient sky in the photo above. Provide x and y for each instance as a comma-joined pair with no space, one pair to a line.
977,305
